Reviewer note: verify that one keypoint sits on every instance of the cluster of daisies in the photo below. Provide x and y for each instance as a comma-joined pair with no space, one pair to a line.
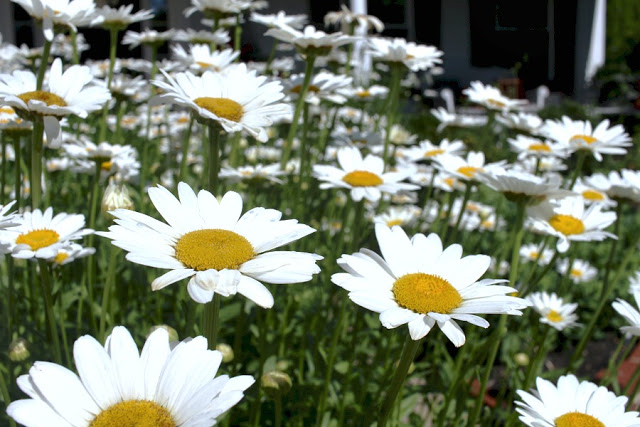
342,134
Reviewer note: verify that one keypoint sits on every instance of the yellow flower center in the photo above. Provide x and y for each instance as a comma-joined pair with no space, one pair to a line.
449,181
554,316
577,419
134,413
363,94
60,257
586,138
592,195
393,222
534,254
129,120
222,107
106,166
424,293
205,64
37,239
540,147
213,249
576,273
44,96
183,119
495,103
362,179
7,110
310,88
566,224
469,171
432,153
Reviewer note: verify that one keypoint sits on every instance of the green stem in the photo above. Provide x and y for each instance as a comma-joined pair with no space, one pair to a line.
214,156
582,154
501,329
237,37
3,179
74,46
36,162
463,207
17,177
607,288
392,105
304,153
120,108
45,284
272,55
614,362
4,390
106,292
278,411
44,63
633,380
113,45
211,321
408,354
185,150
534,366
308,72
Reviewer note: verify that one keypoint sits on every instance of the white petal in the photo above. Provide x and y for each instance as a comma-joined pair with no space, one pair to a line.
255,291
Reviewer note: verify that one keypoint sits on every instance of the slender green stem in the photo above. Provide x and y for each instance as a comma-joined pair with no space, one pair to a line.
74,47
272,55
36,162
278,411
392,106
185,150
4,390
304,152
529,286
541,354
582,154
45,284
214,156
463,208
518,233
3,179
607,288
91,261
457,376
633,382
308,72
614,362
107,290
44,63
112,62
121,107
17,185
211,321
237,37
408,354
144,161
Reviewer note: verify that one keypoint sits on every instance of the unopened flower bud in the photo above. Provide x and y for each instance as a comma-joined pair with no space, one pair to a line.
521,359
276,384
18,350
227,352
116,196
173,334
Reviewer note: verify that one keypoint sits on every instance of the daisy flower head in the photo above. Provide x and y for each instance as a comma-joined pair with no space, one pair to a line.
416,57
581,271
12,124
257,174
491,98
573,403
580,135
465,168
69,253
626,310
213,245
527,146
362,94
119,18
364,177
534,252
117,385
520,121
416,282
522,186
59,15
447,118
217,8
200,57
309,41
568,220
622,185
7,219
189,35
426,150
404,216
39,234
349,20
238,99
71,92
147,37
553,310
592,194
280,19
324,86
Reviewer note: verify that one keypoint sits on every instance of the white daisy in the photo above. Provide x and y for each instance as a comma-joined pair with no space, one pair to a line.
200,57
361,93
238,100
120,18
524,122
7,220
220,8
40,235
581,270
310,41
579,135
416,282
403,216
59,13
527,146
280,19
189,35
491,98
324,86
465,169
364,177
256,174
71,92
415,57
209,242
532,252
573,403
349,19
593,195
426,150
553,310
630,314
70,252
457,120
523,186
147,37
568,220
116,385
